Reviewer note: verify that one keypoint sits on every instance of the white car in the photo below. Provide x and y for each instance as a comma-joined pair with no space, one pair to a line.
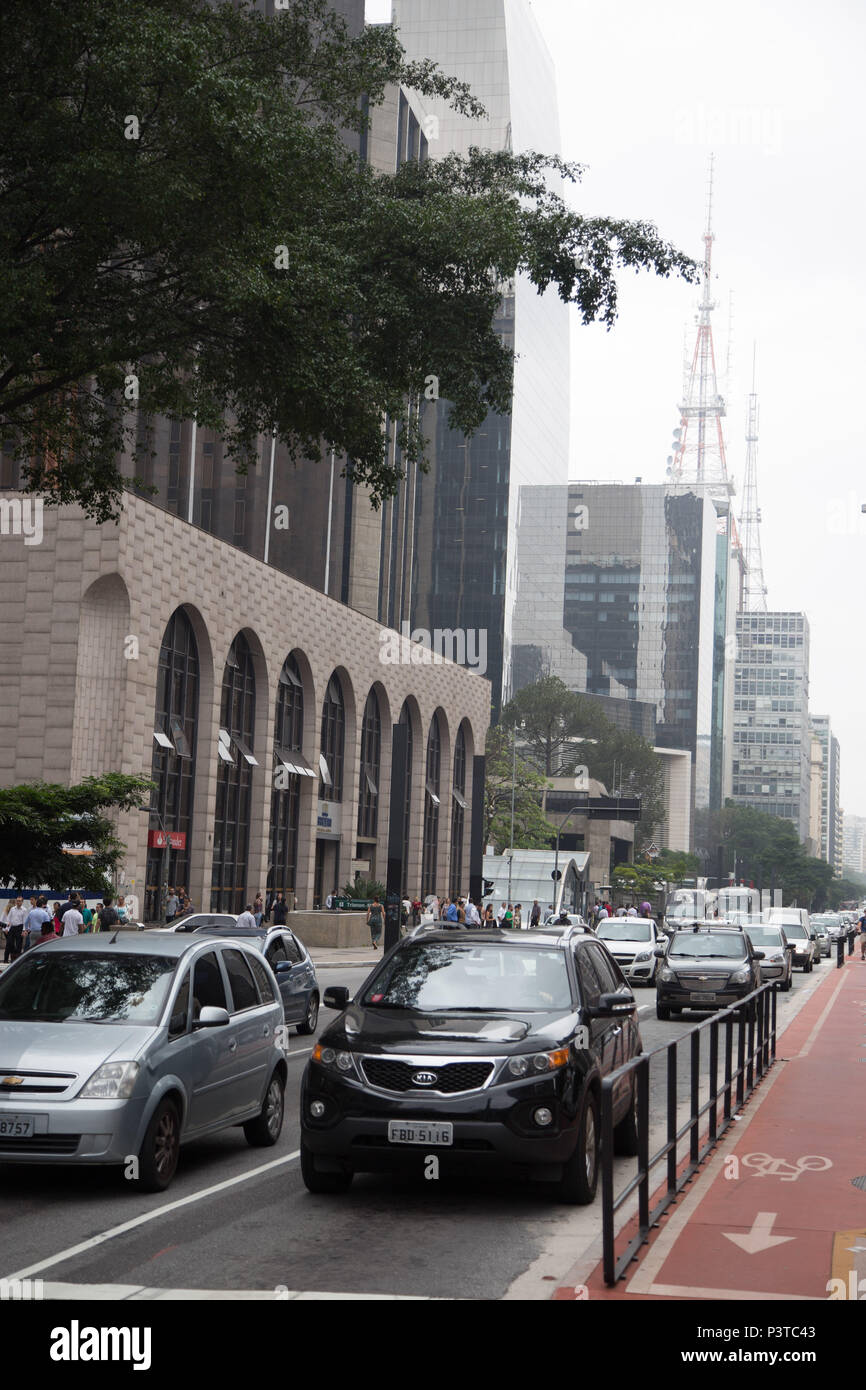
194,920
632,942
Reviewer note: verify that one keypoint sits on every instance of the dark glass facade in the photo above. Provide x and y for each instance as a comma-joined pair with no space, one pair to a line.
231,836
430,847
368,790
458,811
173,765
286,794
333,742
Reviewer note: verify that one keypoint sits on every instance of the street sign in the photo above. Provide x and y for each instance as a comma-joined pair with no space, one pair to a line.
556,874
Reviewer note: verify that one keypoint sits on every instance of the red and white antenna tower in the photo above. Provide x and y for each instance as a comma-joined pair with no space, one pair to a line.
699,445
754,588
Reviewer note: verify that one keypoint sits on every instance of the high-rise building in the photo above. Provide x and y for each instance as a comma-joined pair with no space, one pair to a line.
854,844
830,843
641,617
771,732
465,553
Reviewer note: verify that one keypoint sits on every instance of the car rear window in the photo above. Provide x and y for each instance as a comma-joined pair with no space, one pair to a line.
697,944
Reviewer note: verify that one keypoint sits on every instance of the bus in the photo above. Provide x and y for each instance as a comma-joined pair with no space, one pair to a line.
739,904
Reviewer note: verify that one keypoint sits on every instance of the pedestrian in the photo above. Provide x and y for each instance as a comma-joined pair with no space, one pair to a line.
56,920
473,916
518,916
461,911
87,918
246,920
37,918
416,910
451,914
500,916
171,906
281,910
489,918
121,908
508,919
16,916
535,914
632,912
107,917
862,926
405,909
258,909
46,932
375,921
602,913
72,922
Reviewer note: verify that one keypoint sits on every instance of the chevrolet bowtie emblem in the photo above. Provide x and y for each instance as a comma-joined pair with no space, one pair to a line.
12,1081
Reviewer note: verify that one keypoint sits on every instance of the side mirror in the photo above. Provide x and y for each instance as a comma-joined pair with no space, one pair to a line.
613,1006
335,998
759,955
660,951
212,1017
282,967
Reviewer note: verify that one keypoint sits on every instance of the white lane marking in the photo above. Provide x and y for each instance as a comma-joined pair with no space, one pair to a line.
297,1051
819,1025
142,1220
140,1293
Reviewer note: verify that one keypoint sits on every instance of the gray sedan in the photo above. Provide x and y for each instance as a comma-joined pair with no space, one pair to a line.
116,1049
290,961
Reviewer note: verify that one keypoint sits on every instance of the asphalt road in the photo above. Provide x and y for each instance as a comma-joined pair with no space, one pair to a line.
262,1231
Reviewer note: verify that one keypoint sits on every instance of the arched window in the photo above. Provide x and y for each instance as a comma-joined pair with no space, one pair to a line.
333,742
406,719
458,811
231,834
175,734
371,749
286,795
429,862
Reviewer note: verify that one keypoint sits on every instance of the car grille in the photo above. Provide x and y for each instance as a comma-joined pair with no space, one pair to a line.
624,960
710,983
451,1078
41,1144
36,1082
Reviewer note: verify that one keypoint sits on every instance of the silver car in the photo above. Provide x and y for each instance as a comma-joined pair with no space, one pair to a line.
117,1049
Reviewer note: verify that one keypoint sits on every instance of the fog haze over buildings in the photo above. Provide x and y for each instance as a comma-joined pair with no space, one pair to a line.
772,89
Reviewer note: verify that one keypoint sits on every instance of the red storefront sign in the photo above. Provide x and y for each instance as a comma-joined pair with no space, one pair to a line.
166,839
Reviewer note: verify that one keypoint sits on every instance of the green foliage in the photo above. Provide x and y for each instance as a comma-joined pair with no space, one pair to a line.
552,719
38,819
237,259
531,829
368,888
674,866
766,850
637,878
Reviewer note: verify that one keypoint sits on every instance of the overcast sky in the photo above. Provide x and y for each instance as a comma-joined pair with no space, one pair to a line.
775,89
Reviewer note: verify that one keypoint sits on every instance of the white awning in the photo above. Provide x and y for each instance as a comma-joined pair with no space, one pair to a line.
161,739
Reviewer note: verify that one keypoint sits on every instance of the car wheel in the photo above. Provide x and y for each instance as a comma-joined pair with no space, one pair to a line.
160,1149
265,1129
663,1012
316,1181
786,984
312,1016
625,1133
580,1174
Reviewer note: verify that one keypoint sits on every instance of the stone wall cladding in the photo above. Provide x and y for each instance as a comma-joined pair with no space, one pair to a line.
55,655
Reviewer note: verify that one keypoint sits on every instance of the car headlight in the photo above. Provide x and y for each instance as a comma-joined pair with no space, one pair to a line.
538,1062
644,955
112,1081
741,977
777,960
333,1057
666,974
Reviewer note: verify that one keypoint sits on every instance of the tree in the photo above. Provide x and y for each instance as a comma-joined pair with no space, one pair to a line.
40,820
636,878
185,232
563,730
531,830
674,865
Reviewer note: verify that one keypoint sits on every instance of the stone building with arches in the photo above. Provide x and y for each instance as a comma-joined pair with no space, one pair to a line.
261,709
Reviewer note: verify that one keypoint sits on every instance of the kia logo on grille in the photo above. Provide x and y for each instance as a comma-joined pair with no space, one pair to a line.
424,1078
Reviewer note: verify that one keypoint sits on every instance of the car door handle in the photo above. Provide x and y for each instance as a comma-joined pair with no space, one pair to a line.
266,1032
614,1032
233,1045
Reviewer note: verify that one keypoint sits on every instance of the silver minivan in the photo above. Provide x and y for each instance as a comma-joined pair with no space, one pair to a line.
118,1049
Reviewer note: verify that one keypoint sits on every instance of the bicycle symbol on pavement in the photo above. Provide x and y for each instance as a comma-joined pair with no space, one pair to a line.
766,1166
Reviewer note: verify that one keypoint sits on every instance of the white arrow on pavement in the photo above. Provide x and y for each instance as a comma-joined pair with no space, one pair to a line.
760,1237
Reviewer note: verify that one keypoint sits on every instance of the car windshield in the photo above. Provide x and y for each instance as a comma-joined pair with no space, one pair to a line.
765,936
625,929
65,987
440,977
795,929
696,945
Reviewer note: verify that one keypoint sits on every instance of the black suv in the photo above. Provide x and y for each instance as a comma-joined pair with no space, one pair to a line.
706,968
485,1049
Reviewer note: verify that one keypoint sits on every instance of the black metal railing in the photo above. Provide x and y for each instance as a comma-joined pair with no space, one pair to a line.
754,1019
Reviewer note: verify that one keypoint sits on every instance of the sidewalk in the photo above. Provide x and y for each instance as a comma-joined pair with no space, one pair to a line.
779,1210
326,957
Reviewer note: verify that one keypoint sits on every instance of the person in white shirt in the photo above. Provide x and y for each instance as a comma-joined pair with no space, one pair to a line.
473,917
632,912
500,916
72,922
246,921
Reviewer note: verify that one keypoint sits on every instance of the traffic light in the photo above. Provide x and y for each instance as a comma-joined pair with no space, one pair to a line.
488,887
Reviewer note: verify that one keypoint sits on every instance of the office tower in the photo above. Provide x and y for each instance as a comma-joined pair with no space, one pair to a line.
830,843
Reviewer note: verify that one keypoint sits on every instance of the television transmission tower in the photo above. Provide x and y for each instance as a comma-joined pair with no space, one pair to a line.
699,445
754,589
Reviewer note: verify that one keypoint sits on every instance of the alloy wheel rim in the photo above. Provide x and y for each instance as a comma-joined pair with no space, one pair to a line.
274,1108
589,1144
312,1013
165,1143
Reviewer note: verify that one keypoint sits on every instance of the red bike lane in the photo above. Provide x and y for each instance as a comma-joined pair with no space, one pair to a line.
779,1210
